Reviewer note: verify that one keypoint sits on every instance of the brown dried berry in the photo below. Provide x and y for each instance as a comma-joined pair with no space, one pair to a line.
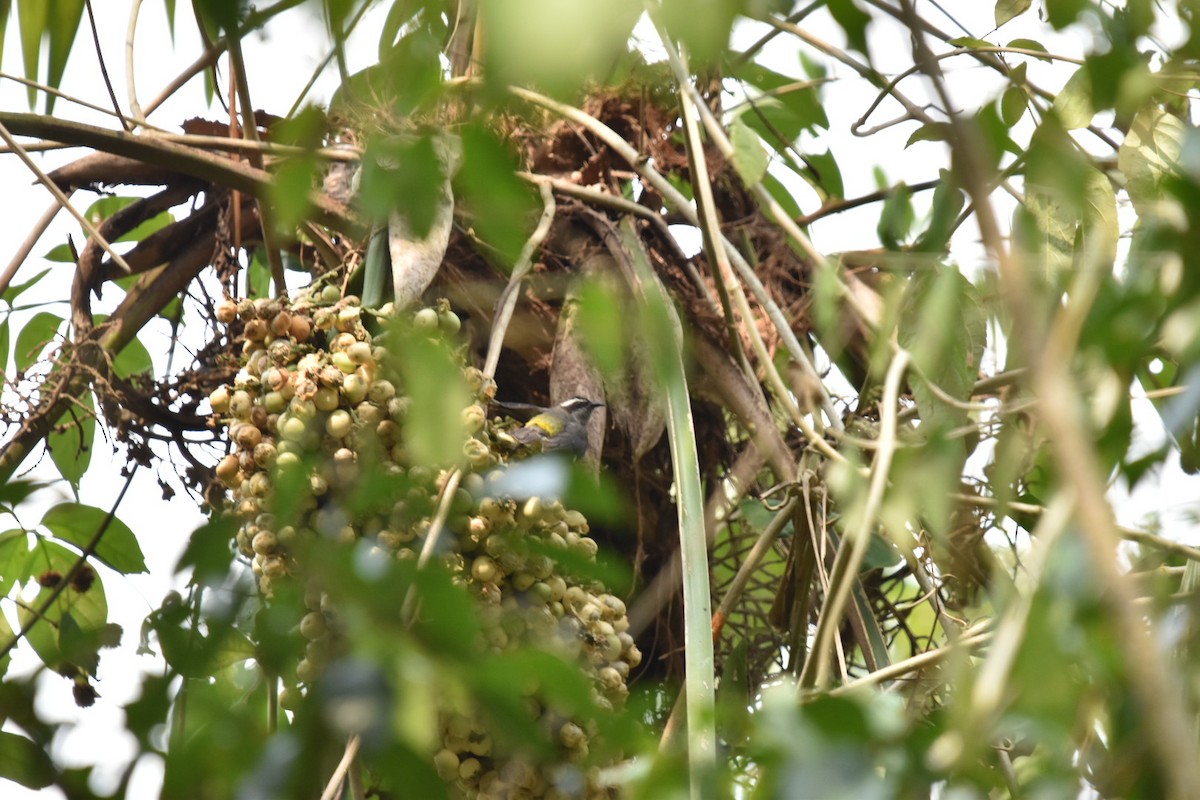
50,578
85,693
83,579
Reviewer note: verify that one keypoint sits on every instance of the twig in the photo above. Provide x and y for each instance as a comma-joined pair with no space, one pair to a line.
250,131
31,239
189,161
61,197
409,608
1128,534
104,67
135,108
971,638
339,773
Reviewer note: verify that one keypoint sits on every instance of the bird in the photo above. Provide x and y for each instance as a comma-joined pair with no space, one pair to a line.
557,428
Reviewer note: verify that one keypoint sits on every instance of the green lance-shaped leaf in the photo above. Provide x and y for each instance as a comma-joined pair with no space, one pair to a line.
376,271
1149,154
5,8
78,523
749,156
944,326
34,337
664,327
24,761
32,18
62,24
70,440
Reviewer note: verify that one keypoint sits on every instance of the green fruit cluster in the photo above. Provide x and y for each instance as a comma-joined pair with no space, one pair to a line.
313,406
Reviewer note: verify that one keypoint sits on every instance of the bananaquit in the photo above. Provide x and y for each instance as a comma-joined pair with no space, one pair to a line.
562,427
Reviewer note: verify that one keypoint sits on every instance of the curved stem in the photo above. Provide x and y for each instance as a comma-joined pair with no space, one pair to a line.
854,547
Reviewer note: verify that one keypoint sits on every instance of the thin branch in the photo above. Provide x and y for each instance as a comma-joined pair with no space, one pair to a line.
339,773
843,204
1128,534
409,609
189,161
30,241
971,638
104,67
61,197
250,131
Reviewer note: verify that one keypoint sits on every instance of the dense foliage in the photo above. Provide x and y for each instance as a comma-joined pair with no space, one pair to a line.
845,524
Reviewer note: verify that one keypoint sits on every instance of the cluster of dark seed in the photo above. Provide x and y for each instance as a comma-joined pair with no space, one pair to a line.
314,396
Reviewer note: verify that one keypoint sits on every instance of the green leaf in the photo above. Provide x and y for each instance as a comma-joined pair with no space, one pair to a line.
403,175
4,343
7,634
823,173
14,558
853,20
782,195
32,18
70,441
296,174
134,359
944,326
1009,9
1149,154
25,762
1061,13
896,218
1030,44
377,271
1013,103
504,206
14,291
258,275
749,156
208,553
37,334
432,428
5,8
948,202
554,45
786,107
78,523
235,647
599,304
931,132
703,26
1073,105
89,609
16,490
970,41
63,25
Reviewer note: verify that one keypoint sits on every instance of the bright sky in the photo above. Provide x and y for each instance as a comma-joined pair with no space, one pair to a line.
279,67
